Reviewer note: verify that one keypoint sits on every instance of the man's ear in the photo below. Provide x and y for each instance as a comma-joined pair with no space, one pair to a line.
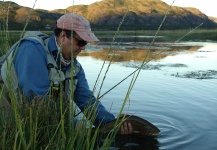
63,36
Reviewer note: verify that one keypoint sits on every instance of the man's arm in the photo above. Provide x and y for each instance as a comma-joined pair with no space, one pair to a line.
84,98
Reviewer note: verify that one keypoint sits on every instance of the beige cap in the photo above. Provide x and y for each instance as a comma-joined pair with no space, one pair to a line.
78,24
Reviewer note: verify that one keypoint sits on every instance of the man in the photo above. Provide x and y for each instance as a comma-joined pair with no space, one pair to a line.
71,35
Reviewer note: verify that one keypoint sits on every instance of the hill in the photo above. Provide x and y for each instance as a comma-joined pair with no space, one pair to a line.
107,14
213,19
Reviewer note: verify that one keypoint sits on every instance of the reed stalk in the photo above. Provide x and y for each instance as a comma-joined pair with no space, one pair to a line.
112,134
107,55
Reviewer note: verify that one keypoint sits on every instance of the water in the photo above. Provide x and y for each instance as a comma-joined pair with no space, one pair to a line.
178,99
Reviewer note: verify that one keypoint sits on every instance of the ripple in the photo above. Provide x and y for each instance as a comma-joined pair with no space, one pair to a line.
175,133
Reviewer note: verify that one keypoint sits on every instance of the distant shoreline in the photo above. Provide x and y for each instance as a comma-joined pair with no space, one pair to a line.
199,35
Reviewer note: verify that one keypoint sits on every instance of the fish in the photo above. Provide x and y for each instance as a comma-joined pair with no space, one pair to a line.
140,126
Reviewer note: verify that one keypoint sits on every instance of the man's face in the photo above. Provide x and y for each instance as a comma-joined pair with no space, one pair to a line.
71,46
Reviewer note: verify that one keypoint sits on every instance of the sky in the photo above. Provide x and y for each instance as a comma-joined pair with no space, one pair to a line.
208,7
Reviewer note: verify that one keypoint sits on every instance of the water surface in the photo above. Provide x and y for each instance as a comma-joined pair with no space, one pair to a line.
179,97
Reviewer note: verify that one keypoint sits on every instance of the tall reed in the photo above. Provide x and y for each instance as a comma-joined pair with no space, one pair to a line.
43,123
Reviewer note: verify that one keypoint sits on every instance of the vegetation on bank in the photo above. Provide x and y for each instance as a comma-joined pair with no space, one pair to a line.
166,35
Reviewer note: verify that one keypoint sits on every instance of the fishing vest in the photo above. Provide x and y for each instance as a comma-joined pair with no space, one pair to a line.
56,76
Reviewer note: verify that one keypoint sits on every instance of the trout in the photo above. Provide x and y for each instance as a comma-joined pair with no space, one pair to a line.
140,126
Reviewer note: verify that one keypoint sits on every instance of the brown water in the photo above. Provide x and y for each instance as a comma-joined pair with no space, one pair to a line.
177,93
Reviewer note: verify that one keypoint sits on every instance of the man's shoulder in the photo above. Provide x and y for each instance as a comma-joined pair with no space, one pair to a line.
30,41
36,43
31,47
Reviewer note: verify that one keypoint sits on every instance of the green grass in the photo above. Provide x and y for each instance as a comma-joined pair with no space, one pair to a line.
42,123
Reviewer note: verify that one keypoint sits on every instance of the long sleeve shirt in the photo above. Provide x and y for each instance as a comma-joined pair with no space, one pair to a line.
33,77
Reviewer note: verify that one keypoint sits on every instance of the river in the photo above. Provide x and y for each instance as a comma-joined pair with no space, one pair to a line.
177,93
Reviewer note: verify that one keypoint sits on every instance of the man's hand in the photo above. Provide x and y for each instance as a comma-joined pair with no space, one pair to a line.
126,128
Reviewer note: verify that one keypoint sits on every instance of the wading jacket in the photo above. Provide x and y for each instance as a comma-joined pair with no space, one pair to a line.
32,73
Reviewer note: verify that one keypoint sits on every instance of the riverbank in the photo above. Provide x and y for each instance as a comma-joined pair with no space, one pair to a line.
168,35
8,38
163,35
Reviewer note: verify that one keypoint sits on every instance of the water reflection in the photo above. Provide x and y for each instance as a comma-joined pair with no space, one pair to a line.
132,53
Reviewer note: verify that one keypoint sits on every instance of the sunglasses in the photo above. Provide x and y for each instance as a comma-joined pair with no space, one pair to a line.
80,43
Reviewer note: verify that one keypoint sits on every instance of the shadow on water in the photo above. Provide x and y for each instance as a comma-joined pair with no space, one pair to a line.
131,142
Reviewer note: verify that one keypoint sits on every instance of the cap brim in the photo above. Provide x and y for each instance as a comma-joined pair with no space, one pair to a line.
89,37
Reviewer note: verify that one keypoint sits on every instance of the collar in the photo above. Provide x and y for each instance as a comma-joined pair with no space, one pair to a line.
52,45
55,49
